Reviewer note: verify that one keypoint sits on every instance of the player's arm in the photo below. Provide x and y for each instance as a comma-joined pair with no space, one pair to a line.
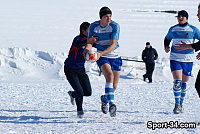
143,56
183,46
166,45
88,47
110,48
155,54
89,44
198,56
196,46
80,44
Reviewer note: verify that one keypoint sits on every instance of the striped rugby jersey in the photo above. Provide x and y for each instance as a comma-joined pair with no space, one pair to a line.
187,34
105,35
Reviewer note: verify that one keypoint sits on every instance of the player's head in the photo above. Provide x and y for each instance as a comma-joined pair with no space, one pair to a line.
84,28
148,44
183,13
182,17
105,15
103,11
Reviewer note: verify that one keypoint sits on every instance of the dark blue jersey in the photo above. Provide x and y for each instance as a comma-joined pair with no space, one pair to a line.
75,58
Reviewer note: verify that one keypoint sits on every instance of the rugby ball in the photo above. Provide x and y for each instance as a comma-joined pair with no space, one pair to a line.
91,56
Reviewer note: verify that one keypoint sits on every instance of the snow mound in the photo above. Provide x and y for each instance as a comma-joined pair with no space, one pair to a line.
18,64
25,63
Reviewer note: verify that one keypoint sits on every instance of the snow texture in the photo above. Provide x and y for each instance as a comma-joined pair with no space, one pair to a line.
35,38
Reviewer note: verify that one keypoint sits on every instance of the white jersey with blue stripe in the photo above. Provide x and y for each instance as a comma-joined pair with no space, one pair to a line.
105,36
187,34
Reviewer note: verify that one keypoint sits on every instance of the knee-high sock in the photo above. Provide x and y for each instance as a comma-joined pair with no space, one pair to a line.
183,93
177,90
109,93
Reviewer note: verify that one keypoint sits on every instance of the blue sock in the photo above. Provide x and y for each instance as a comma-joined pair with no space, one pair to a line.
109,93
183,93
177,90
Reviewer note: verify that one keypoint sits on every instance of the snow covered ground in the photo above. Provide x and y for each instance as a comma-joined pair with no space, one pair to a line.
35,37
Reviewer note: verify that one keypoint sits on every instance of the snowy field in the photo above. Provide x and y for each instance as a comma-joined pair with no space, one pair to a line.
35,37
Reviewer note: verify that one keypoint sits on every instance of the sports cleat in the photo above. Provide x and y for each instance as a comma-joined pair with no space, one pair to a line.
71,98
80,114
177,109
113,110
104,105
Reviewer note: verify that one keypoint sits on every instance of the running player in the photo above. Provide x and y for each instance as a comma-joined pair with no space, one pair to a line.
181,62
108,58
75,71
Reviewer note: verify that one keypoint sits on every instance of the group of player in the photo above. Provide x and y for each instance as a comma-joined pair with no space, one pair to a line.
104,35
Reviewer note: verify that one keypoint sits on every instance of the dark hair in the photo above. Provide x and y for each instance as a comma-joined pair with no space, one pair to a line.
199,5
103,11
147,43
84,26
183,13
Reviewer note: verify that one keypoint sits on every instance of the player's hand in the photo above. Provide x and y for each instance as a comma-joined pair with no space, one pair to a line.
98,56
167,49
84,53
92,39
198,56
182,46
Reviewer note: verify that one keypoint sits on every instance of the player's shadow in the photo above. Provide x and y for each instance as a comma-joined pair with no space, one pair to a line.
23,119
31,119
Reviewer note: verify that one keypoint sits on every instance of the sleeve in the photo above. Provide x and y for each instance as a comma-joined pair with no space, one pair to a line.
196,46
90,31
197,33
166,42
116,31
168,38
143,56
80,44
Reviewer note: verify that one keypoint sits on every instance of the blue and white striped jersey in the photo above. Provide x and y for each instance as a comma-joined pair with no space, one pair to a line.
105,35
187,34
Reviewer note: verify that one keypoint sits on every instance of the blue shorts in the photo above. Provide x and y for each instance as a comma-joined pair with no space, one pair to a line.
114,63
185,66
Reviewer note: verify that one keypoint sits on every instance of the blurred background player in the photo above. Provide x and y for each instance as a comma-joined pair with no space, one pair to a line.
149,55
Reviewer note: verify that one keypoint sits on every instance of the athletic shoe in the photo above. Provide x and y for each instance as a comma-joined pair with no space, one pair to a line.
71,98
104,105
177,109
80,114
112,110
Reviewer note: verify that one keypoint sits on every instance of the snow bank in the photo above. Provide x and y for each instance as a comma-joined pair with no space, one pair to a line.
23,63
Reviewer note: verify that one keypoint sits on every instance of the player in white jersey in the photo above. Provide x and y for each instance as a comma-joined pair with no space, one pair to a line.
181,62
196,47
106,31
